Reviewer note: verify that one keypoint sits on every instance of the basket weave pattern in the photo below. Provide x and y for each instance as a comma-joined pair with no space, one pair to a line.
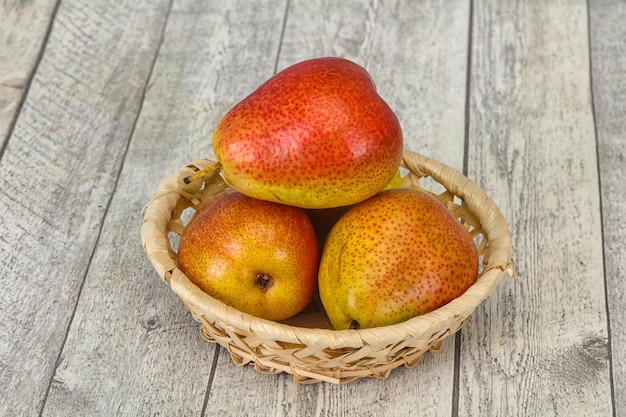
320,353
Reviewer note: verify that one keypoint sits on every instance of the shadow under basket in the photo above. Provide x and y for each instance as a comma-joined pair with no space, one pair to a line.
305,346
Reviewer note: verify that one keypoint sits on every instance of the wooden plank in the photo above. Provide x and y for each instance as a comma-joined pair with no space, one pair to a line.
416,53
133,348
539,346
57,174
609,89
22,36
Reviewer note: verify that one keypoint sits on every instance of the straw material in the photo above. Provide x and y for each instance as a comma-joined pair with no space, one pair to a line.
305,346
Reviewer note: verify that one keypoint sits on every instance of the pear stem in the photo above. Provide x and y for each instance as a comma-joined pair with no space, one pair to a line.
202,173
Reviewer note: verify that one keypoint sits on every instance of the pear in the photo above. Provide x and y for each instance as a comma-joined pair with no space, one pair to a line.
395,182
395,256
316,135
257,256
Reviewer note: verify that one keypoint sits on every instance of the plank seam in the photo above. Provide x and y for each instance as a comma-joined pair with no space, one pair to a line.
282,35
29,81
205,403
596,137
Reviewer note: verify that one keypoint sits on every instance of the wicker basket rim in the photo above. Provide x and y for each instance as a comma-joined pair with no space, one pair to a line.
154,232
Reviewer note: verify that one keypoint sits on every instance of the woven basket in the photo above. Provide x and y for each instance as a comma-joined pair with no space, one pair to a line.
306,346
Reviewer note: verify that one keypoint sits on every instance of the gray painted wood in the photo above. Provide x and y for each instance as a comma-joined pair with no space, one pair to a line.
57,175
608,53
539,346
22,36
127,92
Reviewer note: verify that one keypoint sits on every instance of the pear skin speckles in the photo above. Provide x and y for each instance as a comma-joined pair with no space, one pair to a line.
316,135
395,256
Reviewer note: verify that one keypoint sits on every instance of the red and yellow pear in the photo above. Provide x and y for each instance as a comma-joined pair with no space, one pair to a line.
257,256
395,256
316,135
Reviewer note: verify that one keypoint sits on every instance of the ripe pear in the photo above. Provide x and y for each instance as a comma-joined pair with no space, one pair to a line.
316,135
257,256
395,256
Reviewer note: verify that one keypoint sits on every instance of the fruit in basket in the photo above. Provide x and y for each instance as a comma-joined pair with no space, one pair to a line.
316,135
395,256
257,256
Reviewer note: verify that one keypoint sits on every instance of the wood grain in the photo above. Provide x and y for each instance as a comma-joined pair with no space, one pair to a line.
532,147
400,44
96,112
57,174
151,360
609,89
22,35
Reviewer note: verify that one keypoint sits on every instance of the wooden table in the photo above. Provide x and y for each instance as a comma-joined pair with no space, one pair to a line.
99,100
